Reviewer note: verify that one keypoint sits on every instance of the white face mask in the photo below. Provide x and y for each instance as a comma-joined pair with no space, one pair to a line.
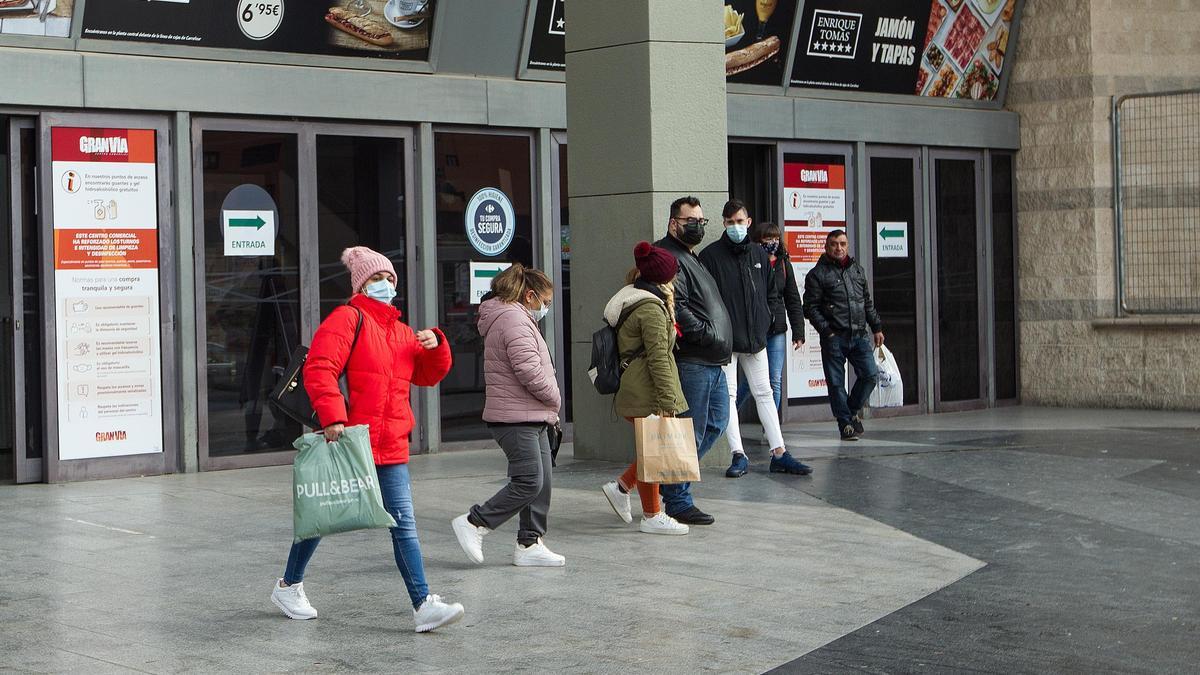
382,290
539,314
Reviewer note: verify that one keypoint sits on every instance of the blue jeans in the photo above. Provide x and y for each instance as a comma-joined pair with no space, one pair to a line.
776,360
859,351
707,397
397,499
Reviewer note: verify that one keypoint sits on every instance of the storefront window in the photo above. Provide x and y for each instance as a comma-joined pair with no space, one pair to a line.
252,302
1003,276
360,202
957,279
466,164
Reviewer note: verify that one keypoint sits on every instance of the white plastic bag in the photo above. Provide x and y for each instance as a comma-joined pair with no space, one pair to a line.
889,392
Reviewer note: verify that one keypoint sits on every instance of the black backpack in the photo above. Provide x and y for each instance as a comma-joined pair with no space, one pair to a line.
606,366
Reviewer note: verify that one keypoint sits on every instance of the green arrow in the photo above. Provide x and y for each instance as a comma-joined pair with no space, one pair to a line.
891,234
256,222
487,274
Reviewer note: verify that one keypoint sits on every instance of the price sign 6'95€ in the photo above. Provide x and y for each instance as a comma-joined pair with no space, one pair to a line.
259,19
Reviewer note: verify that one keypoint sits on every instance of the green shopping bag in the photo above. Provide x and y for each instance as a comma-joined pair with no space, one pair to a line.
335,487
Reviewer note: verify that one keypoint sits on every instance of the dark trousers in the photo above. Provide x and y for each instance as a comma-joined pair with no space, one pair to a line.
859,351
528,491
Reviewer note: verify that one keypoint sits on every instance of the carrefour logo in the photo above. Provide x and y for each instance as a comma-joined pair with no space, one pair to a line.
490,221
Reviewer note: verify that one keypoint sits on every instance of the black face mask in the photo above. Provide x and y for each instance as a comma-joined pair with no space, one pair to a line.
692,234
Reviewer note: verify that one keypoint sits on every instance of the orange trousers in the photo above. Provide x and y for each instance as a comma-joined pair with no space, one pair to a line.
647,492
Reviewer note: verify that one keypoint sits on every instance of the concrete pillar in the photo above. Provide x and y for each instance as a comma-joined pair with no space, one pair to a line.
646,119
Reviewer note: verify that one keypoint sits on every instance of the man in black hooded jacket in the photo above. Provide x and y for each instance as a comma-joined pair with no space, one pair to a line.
837,302
743,273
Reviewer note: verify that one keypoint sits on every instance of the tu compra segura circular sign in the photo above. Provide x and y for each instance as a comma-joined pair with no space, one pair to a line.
490,221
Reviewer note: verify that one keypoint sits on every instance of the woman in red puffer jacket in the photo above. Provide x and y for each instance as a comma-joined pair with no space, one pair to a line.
387,358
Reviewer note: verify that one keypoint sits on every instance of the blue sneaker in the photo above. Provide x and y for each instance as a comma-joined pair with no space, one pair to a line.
785,463
739,466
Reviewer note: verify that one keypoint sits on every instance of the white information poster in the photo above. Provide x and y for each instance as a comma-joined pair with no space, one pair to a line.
814,205
106,292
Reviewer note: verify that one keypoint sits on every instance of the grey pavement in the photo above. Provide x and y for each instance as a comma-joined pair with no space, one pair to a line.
1007,540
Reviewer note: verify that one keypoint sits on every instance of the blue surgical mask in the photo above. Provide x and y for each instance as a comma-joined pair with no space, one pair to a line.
737,233
539,314
382,290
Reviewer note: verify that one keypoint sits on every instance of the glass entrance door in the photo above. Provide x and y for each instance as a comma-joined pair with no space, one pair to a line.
897,254
960,366
22,437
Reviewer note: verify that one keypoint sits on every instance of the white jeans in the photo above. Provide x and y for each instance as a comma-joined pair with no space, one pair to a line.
758,376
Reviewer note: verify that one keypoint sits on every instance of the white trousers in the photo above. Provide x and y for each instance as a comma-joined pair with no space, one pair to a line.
758,377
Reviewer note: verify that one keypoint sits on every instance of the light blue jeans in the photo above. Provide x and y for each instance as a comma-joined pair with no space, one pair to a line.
707,397
396,491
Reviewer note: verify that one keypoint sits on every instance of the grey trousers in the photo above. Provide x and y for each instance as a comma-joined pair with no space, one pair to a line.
528,491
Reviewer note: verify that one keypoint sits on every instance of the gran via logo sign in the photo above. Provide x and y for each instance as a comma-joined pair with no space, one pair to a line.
834,35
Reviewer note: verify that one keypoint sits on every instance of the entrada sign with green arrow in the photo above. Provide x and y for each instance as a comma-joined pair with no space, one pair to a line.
891,240
249,233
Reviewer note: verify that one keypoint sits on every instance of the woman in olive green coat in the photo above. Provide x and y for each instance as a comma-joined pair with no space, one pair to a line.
644,313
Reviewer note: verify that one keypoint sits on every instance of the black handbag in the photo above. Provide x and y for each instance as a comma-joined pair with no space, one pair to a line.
289,396
555,432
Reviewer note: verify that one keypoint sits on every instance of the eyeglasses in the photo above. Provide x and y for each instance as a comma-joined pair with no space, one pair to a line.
691,221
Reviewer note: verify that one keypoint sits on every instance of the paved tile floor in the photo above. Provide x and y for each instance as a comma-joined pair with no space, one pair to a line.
1011,540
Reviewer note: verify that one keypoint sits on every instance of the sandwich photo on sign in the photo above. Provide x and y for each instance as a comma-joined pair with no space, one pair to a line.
757,33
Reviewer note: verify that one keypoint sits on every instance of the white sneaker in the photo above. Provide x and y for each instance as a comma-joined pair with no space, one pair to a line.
292,601
434,613
661,523
618,500
537,556
469,537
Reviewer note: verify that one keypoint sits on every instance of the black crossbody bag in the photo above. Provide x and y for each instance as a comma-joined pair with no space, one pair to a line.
289,396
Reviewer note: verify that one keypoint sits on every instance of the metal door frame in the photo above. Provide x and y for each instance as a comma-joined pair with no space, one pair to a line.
25,469
818,410
918,235
167,461
309,267
558,141
982,281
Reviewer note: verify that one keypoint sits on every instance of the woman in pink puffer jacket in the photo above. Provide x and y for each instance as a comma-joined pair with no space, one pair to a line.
522,405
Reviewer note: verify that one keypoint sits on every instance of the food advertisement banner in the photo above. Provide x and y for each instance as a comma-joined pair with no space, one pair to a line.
940,48
42,18
757,35
814,191
386,29
547,42
106,292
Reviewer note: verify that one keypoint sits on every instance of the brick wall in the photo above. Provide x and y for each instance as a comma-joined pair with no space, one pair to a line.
1072,57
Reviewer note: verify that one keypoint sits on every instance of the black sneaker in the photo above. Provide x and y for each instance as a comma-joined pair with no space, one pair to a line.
693,516
738,467
856,422
785,463
848,433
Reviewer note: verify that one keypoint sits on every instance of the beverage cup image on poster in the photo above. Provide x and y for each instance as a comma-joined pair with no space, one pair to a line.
106,292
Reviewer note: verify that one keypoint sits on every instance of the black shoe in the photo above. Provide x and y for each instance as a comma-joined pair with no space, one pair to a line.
848,433
785,463
856,422
693,516
738,467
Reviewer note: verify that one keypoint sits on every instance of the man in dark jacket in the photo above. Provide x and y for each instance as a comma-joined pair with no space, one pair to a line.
703,347
743,273
837,302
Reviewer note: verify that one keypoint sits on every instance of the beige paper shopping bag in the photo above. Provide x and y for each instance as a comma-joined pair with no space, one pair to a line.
666,450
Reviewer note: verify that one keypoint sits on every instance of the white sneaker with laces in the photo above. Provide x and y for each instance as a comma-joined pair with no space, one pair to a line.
618,500
433,613
537,555
661,523
292,601
469,537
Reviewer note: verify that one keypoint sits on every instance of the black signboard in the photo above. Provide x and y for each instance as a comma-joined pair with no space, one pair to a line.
547,40
395,29
757,35
941,48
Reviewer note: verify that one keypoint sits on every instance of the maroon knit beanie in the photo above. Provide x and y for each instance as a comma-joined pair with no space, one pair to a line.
656,265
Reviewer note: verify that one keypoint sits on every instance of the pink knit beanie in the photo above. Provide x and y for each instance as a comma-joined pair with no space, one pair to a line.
364,263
